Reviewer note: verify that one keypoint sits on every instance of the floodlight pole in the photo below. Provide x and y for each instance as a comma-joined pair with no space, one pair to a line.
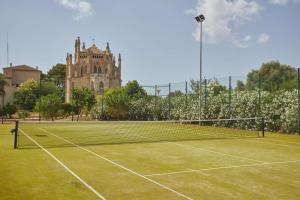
200,19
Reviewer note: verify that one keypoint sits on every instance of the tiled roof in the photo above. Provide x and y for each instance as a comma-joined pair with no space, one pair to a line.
22,67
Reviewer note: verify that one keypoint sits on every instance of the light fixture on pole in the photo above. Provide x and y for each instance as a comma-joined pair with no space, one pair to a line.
200,19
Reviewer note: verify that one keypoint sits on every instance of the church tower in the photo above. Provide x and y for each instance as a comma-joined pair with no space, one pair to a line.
92,68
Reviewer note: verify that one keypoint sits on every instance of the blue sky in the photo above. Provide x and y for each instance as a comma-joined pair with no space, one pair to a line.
158,40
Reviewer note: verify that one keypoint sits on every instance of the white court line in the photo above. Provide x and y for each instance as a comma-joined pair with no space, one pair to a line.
264,142
216,152
121,166
282,141
227,167
64,166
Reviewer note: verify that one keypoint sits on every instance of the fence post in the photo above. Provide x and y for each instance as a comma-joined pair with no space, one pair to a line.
186,95
102,107
263,127
229,98
259,95
169,101
205,96
298,76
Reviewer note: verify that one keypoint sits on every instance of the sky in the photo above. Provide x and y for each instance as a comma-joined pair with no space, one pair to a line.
158,39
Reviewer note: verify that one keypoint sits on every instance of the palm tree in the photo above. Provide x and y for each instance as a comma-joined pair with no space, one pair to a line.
3,83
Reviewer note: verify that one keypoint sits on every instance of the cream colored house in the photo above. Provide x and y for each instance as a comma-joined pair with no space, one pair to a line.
92,68
14,76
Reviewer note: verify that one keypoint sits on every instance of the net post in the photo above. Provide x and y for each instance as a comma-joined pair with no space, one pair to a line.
16,134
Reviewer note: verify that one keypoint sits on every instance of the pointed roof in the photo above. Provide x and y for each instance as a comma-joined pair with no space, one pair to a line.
94,49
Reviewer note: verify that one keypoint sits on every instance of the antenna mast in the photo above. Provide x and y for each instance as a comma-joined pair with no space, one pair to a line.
7,50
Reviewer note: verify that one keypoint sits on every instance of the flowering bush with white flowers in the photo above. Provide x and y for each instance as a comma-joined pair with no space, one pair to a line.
278,108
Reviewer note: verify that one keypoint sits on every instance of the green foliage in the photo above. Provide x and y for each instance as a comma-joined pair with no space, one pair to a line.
83,98
29,92
274,76
3,83
240,86
116,101
58,74
49,87
26,95
49,106
134,90
9,110
23,114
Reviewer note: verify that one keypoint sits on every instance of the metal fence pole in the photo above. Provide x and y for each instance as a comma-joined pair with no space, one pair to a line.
229,94
298,76
186,94
205,96
155,93
259,95
169,101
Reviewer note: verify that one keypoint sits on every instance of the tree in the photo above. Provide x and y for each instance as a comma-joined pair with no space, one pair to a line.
273,76
134,90
3,83
26,94
49,105
116,101
58,74
240,86
83,98
10,110
49,87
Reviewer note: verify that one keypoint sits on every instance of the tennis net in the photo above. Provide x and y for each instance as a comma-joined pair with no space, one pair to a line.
60,134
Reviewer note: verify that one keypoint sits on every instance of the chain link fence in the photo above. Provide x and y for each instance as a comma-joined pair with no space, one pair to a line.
228,97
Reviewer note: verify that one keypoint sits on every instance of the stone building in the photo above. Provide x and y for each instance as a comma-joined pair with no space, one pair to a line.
14,76
92,68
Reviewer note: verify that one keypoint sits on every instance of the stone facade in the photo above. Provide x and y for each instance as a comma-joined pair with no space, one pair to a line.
14,76
92,68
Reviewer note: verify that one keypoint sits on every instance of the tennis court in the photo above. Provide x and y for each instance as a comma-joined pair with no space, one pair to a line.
142,160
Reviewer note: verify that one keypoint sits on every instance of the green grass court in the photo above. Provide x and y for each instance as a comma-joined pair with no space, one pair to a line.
146,161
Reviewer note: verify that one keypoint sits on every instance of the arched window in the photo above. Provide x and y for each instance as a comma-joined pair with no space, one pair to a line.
81,71
86,69
99,70
95,69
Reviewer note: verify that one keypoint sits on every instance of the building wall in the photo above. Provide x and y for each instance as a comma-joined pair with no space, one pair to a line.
20,76
15,77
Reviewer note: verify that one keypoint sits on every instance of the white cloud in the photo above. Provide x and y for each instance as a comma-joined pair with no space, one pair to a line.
279,2
282,2
223,17
263,38
84,8
242,43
